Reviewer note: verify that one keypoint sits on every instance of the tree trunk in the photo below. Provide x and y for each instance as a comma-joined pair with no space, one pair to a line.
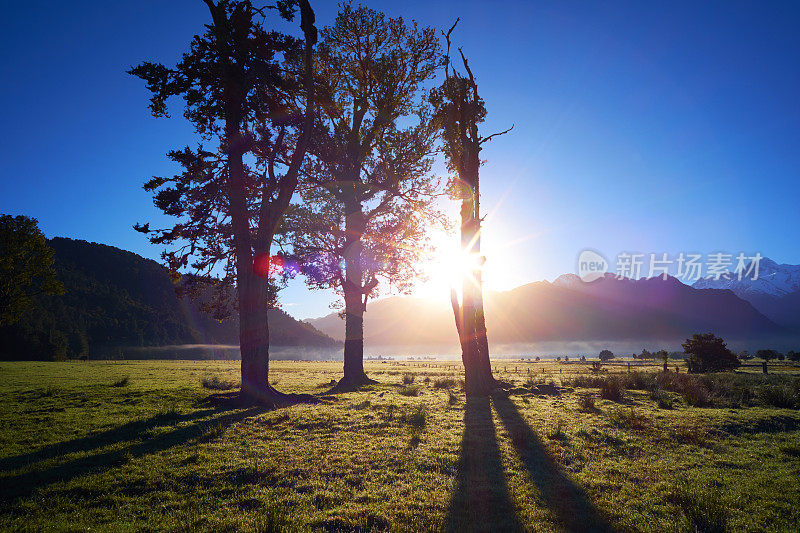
353,289
254,337
478,377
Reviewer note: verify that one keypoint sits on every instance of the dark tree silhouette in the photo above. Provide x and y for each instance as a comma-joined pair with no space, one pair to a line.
708,353
26,267
240,83
766,356
458,112
664,355
369,172
606,355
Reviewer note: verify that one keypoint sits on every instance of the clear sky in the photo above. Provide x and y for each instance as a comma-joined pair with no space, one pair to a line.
639,126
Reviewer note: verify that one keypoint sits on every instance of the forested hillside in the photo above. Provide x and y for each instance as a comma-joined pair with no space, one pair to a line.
116,299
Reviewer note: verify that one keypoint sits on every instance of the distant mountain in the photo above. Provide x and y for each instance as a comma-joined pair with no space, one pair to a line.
570,310
773,280
115,299
775,292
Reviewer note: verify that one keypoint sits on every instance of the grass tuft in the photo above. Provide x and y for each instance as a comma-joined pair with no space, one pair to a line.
452,399
628,419
706,512
662,399
214,383
411,390
444,383
416,418
121,382
558,432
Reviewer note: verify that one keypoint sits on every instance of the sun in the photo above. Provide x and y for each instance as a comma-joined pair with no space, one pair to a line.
449,266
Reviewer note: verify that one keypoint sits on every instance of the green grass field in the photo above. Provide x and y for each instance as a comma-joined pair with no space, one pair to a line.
119,446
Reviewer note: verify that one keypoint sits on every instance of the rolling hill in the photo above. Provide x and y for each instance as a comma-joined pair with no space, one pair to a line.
116,299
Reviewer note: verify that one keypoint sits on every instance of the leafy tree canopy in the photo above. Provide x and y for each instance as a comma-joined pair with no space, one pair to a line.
26,267
709,353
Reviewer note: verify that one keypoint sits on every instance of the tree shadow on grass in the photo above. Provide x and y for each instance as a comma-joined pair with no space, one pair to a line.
128,431
481,501
24,484
567,501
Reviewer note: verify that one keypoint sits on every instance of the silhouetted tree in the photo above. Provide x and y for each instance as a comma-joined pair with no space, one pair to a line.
708,353
459,110
664,355
240,83
793,355
766,356
606,355
368,203
26,267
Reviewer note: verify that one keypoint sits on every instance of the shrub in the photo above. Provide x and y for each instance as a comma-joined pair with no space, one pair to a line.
214,383
693,390
639,381
587,402
408,378
781,396
696,394
612,389
121,382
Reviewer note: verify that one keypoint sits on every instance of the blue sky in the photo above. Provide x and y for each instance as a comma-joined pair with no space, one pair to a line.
639,126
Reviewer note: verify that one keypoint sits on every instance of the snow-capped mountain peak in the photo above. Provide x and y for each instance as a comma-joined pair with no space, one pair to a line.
773,279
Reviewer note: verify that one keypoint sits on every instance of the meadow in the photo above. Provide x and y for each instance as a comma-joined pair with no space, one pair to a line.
155,446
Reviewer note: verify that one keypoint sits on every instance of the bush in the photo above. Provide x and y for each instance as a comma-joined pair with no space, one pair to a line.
693,390
587,402
214,383
612,389
408,378
121,382
696,394
781,396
